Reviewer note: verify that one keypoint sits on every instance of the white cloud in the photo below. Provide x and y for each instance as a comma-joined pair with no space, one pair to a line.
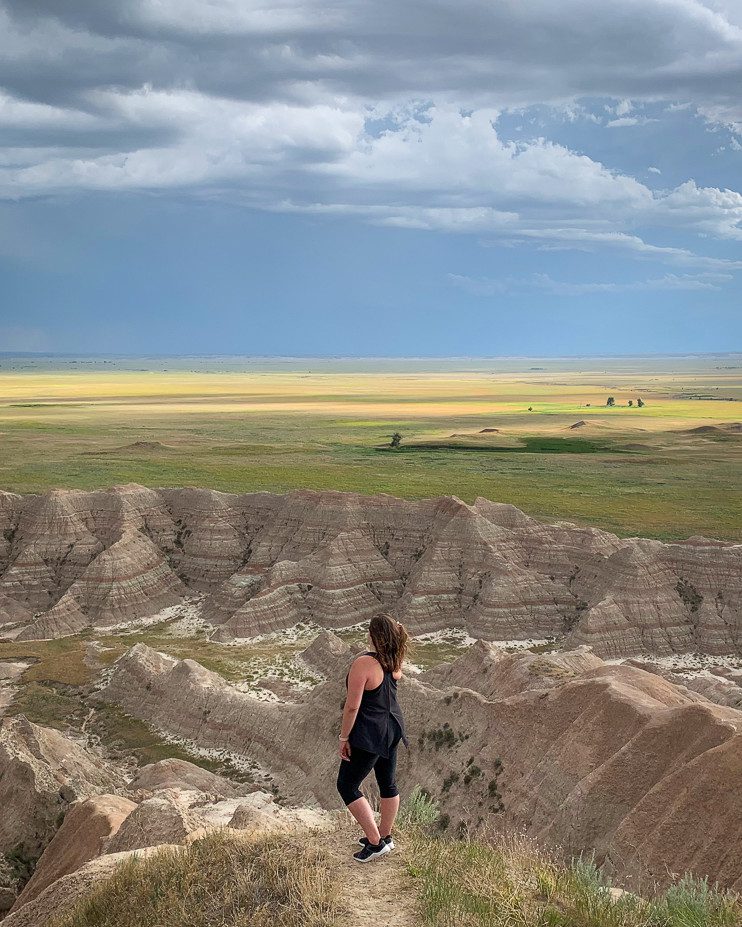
629,121
666,282
654,170
381,110
705,209
488,287
218,140
590,239
461,156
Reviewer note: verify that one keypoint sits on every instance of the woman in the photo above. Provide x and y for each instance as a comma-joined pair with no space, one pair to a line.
371,730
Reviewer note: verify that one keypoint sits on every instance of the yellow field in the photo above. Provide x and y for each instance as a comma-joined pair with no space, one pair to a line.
321,423
384,394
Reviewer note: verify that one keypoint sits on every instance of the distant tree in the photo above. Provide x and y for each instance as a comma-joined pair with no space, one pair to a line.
587,405
640,403
611,401
631,402
396,439
530,408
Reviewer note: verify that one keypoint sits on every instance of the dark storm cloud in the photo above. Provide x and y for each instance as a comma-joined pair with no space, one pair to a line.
384,110
506,52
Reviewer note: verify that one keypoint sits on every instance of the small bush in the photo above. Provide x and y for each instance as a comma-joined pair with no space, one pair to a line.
473,772
439,738
689,595
18,865
694,903
449,781
419,810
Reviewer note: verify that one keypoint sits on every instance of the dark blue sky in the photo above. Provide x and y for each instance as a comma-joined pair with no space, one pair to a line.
260,181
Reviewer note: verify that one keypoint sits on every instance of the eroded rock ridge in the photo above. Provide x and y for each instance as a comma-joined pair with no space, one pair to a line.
72,559
592,756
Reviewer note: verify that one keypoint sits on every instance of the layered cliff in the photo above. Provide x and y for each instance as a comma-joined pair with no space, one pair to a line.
71,559
592,756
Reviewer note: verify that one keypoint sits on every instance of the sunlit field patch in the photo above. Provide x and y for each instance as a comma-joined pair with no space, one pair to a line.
553,446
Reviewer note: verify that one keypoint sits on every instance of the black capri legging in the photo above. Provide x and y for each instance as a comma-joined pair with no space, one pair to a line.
361,762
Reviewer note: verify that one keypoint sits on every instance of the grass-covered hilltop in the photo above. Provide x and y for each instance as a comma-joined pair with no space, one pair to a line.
646,446
303,880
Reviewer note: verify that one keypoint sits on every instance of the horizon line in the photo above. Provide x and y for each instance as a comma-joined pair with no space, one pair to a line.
155,354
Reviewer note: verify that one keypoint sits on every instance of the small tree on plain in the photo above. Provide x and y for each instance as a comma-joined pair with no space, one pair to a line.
396,439
640,403
631,402
530,408
611,401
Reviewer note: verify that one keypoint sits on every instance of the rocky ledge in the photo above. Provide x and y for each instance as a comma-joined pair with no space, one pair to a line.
595,757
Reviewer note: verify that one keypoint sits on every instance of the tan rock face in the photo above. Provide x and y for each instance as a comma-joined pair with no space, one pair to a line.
265,562
165,818
180,774
723,687
496,674
595,757
85,829
41,774
260,814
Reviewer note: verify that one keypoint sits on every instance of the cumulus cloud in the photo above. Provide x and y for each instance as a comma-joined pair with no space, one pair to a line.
381,110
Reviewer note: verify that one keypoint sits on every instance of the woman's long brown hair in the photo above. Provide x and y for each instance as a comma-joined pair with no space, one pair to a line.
390,640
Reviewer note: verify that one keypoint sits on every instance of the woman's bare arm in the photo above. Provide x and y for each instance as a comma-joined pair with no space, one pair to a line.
356,684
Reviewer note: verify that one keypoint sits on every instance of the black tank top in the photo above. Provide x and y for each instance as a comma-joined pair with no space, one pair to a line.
379,724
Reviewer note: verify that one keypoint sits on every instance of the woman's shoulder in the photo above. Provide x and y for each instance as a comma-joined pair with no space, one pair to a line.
365,659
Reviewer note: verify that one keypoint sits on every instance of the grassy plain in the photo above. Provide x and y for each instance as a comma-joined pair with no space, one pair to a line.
244,425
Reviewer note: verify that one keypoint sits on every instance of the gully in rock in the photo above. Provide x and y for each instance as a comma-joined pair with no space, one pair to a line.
371,729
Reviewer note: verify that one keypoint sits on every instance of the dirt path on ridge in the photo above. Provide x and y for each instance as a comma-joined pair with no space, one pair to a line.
376,893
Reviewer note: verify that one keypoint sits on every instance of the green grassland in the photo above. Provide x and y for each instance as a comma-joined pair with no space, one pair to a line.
645,471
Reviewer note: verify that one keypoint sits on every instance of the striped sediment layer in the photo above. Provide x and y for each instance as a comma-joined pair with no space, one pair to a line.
263,562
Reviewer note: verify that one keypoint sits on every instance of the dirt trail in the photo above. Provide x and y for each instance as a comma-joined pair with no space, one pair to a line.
376,893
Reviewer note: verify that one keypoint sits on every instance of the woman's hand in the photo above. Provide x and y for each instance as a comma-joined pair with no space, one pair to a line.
344,750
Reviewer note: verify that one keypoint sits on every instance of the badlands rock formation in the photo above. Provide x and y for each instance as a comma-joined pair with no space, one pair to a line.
180,774
589,755
72,559
88,838
41,774
54,901
81,837
100,833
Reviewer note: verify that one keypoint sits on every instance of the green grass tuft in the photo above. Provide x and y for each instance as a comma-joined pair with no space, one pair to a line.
512,882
